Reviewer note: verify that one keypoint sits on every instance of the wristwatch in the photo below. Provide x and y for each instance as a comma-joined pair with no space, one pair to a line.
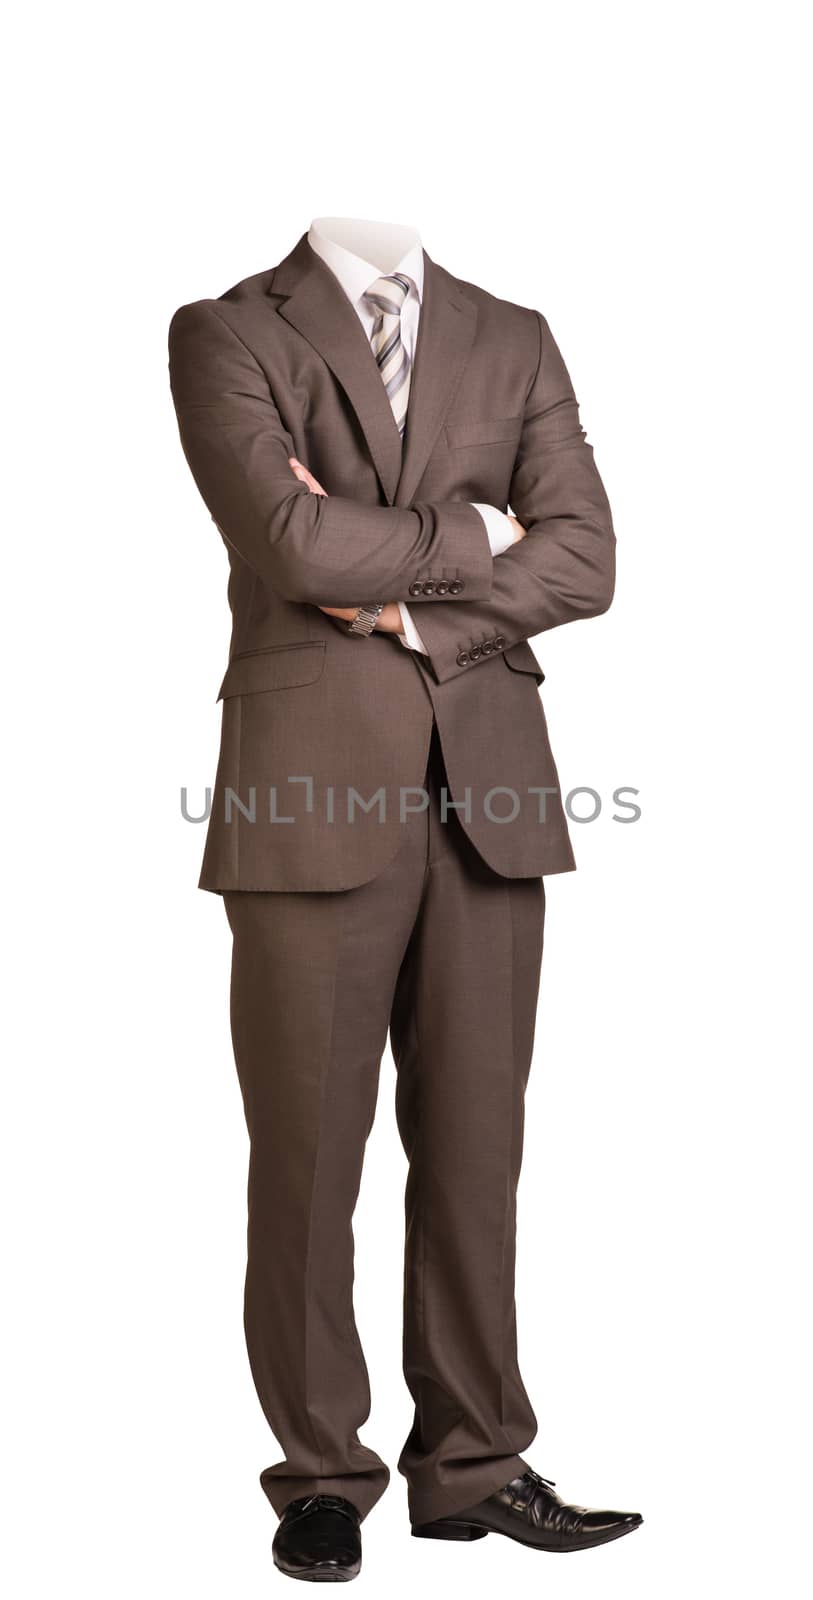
365,619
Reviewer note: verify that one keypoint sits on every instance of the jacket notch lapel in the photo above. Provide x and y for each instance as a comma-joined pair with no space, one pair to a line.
320,310
446,329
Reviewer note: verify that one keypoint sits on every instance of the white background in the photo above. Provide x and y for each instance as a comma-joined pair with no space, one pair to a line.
635,172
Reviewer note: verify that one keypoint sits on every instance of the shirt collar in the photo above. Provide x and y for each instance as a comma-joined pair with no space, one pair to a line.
354,272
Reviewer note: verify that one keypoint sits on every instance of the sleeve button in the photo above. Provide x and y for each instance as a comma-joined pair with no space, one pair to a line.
475,652
462,659
416,588
499,642
456,586
429,587
442,587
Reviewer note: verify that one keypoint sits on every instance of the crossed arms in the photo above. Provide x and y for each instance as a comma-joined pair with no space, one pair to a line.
330,550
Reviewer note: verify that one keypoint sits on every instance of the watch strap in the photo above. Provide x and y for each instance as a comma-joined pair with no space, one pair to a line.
365,619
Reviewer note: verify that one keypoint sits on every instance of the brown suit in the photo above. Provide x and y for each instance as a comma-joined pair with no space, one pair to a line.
279,365
363,917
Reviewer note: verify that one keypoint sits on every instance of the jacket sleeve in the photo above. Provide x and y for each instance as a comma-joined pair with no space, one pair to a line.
564,568
322,549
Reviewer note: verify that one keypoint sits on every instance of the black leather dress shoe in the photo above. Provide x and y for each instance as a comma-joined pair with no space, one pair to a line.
319,1539
527,1509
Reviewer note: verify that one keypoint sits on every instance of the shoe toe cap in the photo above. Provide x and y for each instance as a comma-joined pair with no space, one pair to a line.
595,1521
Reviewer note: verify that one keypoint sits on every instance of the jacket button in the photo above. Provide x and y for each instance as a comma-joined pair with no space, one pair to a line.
456,586
416,588
475,652
488,646
442,587
499,642
462,659
428,588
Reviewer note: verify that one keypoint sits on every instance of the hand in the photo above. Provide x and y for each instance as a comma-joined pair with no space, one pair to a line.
519,531
301,472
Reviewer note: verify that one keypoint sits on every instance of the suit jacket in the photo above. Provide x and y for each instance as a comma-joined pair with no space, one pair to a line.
331,731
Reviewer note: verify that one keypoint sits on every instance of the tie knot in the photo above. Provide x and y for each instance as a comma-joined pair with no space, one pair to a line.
388,294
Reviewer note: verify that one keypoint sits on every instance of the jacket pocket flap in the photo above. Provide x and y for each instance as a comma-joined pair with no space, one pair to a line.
522,659
491,430
280,667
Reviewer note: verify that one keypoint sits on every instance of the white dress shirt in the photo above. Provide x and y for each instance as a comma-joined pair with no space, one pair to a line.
357,252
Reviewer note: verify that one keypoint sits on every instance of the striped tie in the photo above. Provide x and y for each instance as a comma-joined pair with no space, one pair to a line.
386,296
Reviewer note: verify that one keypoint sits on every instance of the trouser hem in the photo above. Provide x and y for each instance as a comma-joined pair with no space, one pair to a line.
362,1492
429,1504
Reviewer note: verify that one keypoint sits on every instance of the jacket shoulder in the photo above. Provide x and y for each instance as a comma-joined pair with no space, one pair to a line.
493,303
231,306
516,326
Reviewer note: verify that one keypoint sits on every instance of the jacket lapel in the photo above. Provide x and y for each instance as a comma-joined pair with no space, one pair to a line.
445,335
316,305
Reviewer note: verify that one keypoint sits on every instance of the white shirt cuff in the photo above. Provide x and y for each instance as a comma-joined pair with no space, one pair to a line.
499,528
410,637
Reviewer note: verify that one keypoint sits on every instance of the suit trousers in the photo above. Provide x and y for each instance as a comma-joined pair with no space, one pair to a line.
446,954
